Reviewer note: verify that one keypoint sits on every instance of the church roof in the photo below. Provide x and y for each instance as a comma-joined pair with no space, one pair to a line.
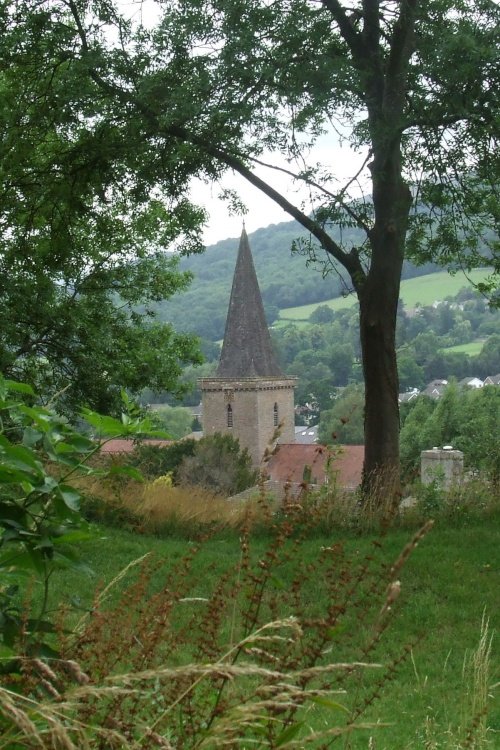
247,349
344,465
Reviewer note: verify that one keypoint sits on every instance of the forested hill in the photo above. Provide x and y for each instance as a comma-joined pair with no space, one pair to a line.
284,279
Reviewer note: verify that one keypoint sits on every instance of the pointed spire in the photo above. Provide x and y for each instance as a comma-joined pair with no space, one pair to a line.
247,349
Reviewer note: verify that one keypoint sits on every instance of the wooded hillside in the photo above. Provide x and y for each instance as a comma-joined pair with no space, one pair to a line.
285,278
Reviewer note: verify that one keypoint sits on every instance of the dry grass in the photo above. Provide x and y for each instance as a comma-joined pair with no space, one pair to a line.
161,504
154,506
66,718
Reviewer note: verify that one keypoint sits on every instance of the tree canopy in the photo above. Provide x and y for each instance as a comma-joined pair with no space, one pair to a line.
83,237
465,418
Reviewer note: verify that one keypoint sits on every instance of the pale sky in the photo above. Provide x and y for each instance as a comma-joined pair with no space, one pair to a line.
262,211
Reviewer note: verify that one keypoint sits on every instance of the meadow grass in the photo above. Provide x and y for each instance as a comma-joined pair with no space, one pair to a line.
473,348
451,580
423,290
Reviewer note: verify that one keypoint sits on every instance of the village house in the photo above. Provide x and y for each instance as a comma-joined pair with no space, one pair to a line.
470,383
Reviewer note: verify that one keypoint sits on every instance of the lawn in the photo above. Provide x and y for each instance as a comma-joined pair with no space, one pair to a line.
423,290
448,583
473,348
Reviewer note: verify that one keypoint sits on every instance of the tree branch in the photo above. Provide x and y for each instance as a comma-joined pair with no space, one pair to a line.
337,197
350,261
346,27
402,40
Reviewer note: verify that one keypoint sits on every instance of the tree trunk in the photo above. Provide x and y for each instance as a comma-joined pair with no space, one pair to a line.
378,305
378,298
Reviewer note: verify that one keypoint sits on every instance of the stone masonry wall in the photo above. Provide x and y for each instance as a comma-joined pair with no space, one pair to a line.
252,402
443,465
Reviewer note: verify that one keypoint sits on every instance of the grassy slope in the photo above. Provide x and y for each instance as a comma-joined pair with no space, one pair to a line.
472,349
423,289
450,580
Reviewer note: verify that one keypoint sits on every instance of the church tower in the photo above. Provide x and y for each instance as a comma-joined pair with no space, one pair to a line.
249,397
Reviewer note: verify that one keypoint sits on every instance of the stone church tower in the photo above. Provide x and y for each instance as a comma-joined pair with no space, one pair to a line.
250,396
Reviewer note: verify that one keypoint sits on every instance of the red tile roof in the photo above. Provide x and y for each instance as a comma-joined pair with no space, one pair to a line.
289,461
123,445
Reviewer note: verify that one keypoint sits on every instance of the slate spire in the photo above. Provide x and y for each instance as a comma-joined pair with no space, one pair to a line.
247,349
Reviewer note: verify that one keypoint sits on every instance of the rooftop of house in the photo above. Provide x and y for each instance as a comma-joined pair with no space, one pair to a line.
408,396
306,434
295,462
471,381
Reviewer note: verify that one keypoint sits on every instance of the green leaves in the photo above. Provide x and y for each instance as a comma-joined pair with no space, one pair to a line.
88,210
104,425
40,522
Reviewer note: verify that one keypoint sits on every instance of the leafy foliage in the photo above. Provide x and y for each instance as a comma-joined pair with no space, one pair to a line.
218,463
465,418
156,461
214,85
41,455
82,239
343,423
175,420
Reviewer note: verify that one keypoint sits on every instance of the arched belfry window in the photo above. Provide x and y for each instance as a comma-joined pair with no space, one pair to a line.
275,415
229,415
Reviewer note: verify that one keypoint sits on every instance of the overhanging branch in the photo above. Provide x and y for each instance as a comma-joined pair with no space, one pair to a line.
336,197
350,261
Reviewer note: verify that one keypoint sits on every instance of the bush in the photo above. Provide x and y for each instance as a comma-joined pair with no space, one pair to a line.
155,461
218,464
322,314
41,457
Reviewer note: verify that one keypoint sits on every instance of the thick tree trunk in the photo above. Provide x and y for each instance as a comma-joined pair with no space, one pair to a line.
378,305
378,299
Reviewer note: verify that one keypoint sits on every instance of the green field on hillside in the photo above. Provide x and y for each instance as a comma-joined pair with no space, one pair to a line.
423,290
473,348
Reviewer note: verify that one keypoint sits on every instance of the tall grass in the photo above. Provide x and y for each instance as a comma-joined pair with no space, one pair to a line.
198,646
158,507
286,645
250,661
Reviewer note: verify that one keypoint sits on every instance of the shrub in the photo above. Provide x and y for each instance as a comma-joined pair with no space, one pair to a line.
154,461
41,456
322,314
218,464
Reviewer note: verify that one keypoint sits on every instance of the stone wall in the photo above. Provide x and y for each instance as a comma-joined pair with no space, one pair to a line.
252,403
443,465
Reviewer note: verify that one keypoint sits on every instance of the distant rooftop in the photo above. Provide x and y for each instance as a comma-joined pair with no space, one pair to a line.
305,434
